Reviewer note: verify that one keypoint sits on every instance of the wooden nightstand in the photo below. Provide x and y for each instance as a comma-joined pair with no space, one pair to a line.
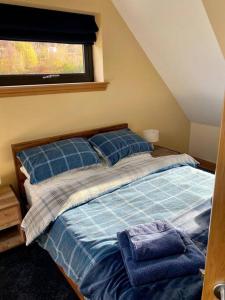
206,165
10,220
203,164
162,151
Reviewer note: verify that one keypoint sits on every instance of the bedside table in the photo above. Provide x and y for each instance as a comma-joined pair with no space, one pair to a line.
203,164
163,151
10,220
206,165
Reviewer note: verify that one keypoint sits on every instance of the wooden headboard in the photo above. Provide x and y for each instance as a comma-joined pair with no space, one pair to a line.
34,143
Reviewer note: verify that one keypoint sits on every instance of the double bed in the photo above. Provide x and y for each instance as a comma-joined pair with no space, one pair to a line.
76,217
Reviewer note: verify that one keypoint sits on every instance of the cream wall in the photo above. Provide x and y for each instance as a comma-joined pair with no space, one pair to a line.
136,94
188,57
203,138
185,53
216,13
204,141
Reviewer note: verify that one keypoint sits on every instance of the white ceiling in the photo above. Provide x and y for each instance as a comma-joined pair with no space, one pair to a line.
178,38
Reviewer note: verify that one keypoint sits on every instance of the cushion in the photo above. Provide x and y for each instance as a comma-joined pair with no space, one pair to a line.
52,159
115,145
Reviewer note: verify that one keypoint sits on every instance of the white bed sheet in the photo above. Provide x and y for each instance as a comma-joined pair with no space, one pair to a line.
32,190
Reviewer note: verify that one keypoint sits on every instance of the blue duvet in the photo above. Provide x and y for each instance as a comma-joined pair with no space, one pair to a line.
83,239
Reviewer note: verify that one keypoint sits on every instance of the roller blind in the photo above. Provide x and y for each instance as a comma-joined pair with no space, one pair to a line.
21,23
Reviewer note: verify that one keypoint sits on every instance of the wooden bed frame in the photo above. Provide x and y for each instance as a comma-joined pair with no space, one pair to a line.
21,178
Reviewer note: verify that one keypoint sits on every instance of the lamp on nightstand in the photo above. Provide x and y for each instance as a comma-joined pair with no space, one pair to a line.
151,135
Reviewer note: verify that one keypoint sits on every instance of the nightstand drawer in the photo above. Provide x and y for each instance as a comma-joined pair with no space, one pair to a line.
10,238
9,217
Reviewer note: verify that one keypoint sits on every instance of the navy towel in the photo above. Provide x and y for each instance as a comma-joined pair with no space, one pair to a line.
144,272
154,240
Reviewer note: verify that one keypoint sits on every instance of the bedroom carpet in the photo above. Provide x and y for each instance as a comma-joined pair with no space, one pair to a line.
28,273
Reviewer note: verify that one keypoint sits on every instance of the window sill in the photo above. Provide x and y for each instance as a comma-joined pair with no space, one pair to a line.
27,90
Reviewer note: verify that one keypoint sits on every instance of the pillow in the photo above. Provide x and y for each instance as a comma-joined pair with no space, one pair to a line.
115,145
66,173
24,171
52,159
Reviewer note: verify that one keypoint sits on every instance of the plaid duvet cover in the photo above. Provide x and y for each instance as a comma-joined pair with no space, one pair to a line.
83,239
52,202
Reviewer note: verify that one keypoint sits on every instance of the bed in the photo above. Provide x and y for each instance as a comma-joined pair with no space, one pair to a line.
81,238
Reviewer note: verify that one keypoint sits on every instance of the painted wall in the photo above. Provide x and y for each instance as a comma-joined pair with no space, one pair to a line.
204,138
178,39
136,94
204,141
188,57
216,13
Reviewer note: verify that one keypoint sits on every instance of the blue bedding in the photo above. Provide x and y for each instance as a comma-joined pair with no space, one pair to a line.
83,239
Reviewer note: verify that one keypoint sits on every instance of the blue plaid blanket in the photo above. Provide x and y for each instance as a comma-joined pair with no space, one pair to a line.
83,239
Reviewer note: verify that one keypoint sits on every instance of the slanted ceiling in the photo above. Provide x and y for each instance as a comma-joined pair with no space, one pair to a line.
178,38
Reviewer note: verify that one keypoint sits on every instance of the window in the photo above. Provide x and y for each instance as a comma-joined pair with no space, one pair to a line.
42,46
28,63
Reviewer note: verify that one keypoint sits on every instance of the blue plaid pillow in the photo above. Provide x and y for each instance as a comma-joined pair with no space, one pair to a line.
115,145
52,159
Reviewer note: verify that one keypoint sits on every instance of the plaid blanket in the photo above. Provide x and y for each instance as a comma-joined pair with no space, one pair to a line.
53,201
83,239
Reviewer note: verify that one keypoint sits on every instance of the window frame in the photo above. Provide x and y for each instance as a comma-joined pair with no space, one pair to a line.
42,79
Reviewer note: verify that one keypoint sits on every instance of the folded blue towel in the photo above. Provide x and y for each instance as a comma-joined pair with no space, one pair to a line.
144,272
154,240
